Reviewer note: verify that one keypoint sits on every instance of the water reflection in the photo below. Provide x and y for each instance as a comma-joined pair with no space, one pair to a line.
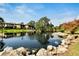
41,37
10,35
28,40
2,44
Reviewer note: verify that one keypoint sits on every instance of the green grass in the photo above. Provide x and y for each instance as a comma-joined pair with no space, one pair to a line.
76,30
73,50
15,30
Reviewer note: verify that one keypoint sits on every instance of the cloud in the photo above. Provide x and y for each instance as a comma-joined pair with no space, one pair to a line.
63,17
20,9
38,6
5,5
19,13
26,12
2,4
23,12
24,9
2,10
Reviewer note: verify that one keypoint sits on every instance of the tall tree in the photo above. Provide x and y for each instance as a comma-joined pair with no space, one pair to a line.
31,24
1,22
43,24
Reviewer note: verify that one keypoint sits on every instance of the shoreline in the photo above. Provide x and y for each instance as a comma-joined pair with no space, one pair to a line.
15,30
63,49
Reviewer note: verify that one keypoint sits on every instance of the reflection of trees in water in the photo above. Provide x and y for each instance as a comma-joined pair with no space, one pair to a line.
42,38
31,35
22,33
8,35
1,45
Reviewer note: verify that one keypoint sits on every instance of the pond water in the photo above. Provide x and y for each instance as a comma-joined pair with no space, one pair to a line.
28,40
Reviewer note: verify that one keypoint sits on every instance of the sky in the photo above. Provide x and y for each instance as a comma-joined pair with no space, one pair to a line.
58,13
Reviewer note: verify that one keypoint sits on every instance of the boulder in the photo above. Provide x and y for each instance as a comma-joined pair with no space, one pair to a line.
70,37
50,48
17,52
8,49
28,53
65,45
74,41
60,34
51,53
13,53
42,52
22,51
61,49
1,53
65,41
34,51
9,53
68,42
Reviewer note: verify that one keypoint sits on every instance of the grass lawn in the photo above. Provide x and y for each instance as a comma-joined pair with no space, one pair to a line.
15,30
76,30
73,50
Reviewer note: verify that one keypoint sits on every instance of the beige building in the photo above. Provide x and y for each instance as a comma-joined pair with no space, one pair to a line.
13,25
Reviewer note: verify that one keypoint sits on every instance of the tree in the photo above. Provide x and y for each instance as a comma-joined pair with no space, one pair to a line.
70,27
44,20
1,19
43,25
1,22
31,24
50,27
22,25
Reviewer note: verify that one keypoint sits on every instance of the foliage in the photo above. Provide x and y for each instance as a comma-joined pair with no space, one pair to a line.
58,29
31,24
76,30
1,19
43,25
70,26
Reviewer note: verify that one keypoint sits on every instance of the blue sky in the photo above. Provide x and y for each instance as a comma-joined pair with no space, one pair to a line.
24,12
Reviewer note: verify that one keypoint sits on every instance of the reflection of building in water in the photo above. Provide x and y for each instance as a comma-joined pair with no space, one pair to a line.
18,34
2,34
9,35
22,34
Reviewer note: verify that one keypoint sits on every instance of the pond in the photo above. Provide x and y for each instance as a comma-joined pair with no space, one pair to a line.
28,40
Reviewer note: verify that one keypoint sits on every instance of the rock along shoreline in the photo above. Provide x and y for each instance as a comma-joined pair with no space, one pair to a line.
49,51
